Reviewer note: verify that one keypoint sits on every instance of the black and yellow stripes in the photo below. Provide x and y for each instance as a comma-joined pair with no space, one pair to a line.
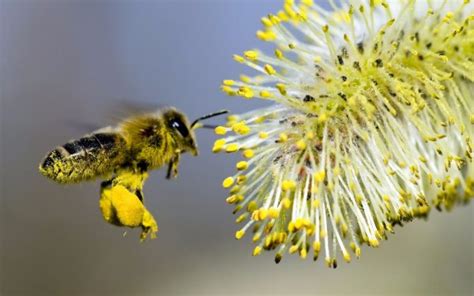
84,159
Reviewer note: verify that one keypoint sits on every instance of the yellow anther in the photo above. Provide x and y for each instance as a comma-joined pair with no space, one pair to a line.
357,251
228,90
228,82
242,165
293,249
315,204
232,118
232,148
251,55
218,145
307,223
266,22
291,226
229,181
281,88
274,19
252,206
248,153
273,213
303,253
263,135
266,94
317,246
234,190
270,70
240,128
287,185
307,2
246,92
257,251
299,223
374,242
301,144
266,35
283,138
286,203
241,218
245,78
238,58
231,199
239,234
256,237
241,179
262,214
220,130
279,54
323,118
347,256
320,176
325,28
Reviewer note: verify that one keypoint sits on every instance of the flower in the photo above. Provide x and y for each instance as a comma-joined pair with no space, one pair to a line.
371,124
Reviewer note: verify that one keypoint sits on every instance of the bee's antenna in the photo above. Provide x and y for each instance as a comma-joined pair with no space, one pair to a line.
207,117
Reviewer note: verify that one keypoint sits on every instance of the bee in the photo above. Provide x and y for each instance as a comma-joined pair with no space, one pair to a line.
122,156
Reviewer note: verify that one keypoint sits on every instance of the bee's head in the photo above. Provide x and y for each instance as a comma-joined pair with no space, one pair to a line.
181,131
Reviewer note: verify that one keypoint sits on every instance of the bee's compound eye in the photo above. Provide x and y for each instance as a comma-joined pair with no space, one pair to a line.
180,126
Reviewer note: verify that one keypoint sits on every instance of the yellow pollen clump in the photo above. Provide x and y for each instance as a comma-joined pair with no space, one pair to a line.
263,135
220,130
242,165
248,153
229,181
232,148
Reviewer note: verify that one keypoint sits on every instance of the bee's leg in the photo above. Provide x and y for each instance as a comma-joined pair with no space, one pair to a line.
105,203
121,204
173,167
121,207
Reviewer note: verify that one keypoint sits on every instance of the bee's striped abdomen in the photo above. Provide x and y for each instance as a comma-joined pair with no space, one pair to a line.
85,159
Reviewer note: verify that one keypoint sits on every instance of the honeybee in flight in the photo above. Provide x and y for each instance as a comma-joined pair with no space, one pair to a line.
122,156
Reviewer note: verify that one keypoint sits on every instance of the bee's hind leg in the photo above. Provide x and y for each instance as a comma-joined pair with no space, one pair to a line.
122,206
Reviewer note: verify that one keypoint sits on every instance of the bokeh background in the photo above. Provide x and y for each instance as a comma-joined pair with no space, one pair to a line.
64,62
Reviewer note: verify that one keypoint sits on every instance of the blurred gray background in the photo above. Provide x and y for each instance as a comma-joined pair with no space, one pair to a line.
73,61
